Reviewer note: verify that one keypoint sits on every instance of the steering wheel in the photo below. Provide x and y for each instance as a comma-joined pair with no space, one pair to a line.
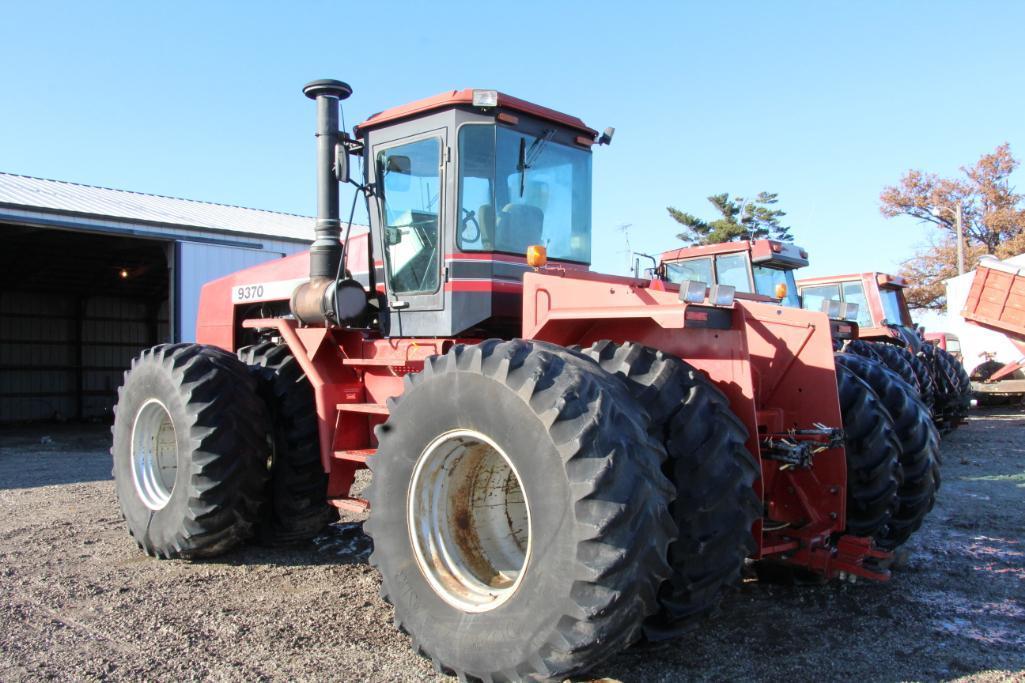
470,231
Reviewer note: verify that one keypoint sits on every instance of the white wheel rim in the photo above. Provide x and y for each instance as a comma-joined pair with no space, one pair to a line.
154,454
469,522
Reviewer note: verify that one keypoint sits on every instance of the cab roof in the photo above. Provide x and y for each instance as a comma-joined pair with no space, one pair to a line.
454,98
760,250
883,279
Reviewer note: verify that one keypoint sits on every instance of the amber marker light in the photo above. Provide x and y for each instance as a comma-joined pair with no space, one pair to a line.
537,256
781,290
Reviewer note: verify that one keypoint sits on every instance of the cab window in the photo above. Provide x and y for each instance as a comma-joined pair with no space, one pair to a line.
731,269
812,297
892,309
410,176
776,283
699,269
854,293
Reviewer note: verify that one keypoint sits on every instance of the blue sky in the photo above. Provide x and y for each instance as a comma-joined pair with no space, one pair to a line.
822,102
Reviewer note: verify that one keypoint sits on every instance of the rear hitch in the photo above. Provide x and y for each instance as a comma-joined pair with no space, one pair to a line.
849,558
797,447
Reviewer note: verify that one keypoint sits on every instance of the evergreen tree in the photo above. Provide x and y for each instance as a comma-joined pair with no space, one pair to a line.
741,219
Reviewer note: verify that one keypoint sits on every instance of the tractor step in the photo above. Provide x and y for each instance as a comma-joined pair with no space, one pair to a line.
378,362
368,408
350,504
360,455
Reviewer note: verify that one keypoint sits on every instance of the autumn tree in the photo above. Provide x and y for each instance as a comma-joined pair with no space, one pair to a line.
739,219
993,220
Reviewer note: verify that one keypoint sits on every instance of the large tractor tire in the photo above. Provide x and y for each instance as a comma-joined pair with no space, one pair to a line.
983,371
873,456
919,448
190,451
963,384
519,512
900,360
953,392
712,471
889,356
297,507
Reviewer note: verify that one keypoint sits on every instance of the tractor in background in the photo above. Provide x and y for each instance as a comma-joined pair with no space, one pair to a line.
887,333
947,341
563,462
763,270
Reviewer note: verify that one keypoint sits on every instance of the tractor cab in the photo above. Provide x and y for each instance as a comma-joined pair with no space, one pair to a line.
763,268
461,186
882,310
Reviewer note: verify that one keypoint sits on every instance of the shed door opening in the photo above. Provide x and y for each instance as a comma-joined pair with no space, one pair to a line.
75,308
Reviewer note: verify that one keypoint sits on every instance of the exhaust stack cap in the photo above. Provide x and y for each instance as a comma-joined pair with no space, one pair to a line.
329,87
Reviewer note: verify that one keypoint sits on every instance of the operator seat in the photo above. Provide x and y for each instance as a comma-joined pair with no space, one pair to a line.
486,218
518,227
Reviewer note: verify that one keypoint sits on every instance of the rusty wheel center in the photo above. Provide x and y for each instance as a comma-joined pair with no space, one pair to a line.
469,521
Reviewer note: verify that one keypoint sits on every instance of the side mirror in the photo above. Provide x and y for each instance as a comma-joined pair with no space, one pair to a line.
392,236
341,163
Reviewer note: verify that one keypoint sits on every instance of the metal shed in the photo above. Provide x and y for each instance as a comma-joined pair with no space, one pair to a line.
91,275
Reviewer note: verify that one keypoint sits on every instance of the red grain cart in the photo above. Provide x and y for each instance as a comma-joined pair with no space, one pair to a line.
996,301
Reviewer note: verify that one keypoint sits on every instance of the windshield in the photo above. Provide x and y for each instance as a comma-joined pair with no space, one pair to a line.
517,189
773,282
699,269
892,310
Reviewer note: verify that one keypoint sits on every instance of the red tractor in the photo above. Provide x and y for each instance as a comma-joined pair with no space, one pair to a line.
888,335
563,462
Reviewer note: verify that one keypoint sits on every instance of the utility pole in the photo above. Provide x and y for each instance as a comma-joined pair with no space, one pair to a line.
960,240
959,229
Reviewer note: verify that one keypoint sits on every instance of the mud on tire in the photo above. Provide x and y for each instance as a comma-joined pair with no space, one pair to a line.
549,442
713,474
296,492
190,450
873,455
919,448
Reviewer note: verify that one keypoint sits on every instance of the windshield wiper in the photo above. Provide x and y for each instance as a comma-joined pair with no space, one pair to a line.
529,156
521,164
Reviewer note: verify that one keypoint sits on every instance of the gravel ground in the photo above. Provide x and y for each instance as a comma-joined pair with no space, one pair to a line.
80,601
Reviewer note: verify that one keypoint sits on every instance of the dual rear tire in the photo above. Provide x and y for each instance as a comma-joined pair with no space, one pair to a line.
523,505
211,450
917,475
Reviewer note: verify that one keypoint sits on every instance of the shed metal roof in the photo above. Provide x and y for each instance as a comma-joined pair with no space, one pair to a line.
39,194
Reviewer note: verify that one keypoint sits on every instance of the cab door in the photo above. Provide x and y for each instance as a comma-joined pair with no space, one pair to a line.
410,183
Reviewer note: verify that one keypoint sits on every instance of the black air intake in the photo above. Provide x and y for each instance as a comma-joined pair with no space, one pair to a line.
317,302
326,249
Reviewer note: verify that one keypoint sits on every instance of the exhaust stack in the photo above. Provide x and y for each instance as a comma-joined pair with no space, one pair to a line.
313,301
326,249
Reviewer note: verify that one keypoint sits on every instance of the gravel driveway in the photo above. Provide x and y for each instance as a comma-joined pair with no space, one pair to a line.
78,600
